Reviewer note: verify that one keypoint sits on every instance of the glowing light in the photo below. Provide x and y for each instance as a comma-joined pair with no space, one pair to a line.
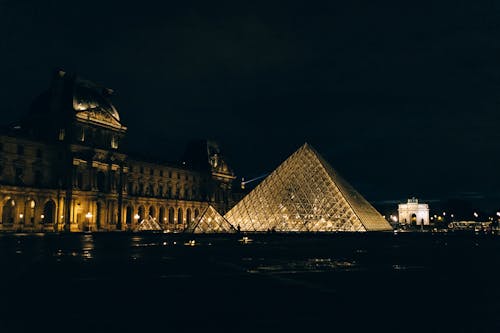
21,216
88,215
136,216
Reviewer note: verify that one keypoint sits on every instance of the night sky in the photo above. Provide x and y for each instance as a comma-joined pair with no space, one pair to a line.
401,98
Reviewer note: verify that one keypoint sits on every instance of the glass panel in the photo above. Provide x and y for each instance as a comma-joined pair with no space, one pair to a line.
304,194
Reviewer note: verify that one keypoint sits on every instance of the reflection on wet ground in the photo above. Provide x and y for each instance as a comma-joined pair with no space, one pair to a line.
184,283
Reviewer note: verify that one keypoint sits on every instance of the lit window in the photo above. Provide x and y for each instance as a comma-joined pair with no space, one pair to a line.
62,133
114,142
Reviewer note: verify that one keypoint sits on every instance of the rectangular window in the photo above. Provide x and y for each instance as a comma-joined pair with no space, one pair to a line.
114,142
19,176
62,133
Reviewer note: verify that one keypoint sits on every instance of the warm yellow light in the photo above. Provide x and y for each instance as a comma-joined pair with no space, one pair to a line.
88,215
42,216
136,216
32,204
21,216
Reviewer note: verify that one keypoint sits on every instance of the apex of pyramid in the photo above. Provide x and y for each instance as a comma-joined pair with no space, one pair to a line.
305,194
307,147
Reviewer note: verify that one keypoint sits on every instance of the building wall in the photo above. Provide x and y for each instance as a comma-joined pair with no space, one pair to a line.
103,195
413,213
61,168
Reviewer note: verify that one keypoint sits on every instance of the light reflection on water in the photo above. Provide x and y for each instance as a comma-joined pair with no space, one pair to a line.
311,265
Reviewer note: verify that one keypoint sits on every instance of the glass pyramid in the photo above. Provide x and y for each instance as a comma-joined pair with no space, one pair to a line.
210,221
148,224
304,194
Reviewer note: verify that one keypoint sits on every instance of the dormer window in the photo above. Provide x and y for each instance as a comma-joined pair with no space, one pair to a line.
81,135
62,134
114,142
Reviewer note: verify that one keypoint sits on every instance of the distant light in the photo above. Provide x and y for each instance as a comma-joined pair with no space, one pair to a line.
88,215
476,214
42,216
136,216
21,216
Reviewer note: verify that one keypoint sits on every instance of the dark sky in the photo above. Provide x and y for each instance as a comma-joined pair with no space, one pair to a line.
401,97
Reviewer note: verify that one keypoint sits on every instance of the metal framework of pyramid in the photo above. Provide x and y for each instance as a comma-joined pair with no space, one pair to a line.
148,224
210,221
305,194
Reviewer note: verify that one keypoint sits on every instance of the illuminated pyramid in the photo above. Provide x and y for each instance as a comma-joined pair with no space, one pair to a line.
304,194
211,222
148,224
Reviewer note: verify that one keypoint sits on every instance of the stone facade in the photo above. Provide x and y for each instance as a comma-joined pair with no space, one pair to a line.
413,212
62,169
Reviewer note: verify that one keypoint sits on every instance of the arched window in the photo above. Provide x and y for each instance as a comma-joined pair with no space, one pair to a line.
188,216
9,211
196,213
29,212
179,216
128,215
171,215
161,218
49,212
152,212
140,212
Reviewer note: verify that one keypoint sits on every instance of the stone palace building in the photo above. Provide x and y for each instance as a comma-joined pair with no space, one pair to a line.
62,169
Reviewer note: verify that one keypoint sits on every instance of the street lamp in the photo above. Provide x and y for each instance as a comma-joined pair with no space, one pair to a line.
88,216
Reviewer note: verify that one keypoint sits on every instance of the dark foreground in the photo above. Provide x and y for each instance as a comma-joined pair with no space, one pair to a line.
336,283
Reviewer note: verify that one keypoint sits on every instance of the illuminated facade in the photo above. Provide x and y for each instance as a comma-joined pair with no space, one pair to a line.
304,194
413,212
62,169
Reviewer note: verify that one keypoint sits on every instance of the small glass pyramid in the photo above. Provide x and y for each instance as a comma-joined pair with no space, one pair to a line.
304,194
148,224
210,221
